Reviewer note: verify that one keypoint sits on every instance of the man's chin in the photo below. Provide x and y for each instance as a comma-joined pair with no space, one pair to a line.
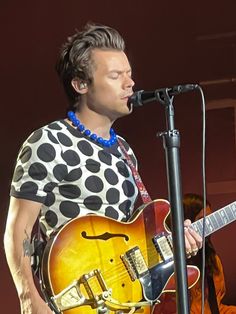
122,114
128,110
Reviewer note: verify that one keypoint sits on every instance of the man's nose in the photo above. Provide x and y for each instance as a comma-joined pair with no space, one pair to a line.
129,82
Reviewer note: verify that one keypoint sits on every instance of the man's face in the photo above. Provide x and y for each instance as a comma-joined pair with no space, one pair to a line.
112,84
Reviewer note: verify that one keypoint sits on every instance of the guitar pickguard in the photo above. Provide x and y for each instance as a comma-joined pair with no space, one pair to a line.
155,280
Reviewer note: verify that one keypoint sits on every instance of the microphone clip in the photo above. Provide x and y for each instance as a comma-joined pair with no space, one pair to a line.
142,97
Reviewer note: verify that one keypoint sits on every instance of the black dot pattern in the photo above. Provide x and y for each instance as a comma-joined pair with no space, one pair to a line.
72,176
93,202
128,188
37,171
113,196
51,218
60,171
125,206
71,157
35,137
69,191
105,157
50,199
46,152
49,186
29,187
85,148
54,126
52,138
18,173
92,165
94,184
64,139
25,154
111,176
122,169
111,213
69,209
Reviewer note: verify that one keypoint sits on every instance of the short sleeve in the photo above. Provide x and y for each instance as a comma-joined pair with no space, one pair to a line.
39,166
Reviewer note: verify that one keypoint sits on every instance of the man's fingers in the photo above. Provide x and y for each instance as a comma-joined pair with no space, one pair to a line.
197,238
193,242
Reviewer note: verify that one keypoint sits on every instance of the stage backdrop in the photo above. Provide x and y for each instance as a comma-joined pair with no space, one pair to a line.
168,43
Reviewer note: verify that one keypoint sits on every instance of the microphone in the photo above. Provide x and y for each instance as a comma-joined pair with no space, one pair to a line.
142,97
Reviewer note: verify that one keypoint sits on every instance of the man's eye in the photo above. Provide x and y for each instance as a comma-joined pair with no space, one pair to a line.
114,76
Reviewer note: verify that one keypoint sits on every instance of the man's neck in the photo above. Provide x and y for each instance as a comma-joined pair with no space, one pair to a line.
95,122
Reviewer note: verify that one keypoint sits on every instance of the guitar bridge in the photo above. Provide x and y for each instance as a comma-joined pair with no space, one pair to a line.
135,263
82,292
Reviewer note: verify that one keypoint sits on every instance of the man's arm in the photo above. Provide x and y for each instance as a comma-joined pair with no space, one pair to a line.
20,221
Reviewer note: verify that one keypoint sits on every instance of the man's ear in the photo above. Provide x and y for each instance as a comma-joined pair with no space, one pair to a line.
79,86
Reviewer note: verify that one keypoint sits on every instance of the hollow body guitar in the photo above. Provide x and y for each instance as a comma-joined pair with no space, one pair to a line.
95,264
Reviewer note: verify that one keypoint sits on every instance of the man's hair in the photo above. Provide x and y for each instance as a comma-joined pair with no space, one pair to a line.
75,57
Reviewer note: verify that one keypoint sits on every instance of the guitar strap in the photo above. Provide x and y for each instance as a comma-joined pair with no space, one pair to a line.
38,243
141,187
212,295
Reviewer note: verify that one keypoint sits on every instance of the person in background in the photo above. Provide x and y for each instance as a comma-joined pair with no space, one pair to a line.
215,290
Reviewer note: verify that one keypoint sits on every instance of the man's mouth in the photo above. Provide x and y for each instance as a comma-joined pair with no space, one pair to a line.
127,95
127,98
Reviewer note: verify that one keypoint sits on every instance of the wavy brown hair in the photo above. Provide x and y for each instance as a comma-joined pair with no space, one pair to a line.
75,57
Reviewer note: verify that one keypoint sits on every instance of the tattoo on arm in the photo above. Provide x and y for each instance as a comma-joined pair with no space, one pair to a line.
27,246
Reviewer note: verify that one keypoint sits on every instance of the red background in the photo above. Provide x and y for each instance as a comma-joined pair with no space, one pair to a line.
168,43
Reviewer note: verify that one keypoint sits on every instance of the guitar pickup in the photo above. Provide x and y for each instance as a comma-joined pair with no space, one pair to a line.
163,246
135,263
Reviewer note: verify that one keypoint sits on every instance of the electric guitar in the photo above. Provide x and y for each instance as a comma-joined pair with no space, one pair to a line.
95,264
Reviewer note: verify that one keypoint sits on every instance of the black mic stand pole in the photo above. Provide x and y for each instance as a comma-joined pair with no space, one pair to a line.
171,144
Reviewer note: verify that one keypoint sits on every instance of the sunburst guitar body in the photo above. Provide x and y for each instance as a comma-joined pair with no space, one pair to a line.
98,265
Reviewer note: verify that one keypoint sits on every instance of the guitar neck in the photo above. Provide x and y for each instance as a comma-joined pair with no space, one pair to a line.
216,220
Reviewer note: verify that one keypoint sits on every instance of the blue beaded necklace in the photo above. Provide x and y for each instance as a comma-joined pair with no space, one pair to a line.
76,122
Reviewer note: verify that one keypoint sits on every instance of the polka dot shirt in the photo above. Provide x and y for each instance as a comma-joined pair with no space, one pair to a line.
72,176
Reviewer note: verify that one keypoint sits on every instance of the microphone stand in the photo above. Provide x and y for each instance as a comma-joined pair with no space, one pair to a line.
171,144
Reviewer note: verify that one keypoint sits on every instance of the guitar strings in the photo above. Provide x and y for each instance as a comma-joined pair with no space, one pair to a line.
118,272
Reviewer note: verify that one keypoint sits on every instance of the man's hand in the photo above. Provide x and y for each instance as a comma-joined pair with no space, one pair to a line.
193,241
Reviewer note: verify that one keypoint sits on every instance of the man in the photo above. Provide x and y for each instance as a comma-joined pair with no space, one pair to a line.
74,167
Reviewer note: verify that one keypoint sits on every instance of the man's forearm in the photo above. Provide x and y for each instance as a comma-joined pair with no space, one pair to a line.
17,248
20,221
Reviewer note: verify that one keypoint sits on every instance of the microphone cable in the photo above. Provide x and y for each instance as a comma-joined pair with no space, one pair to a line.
202,270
